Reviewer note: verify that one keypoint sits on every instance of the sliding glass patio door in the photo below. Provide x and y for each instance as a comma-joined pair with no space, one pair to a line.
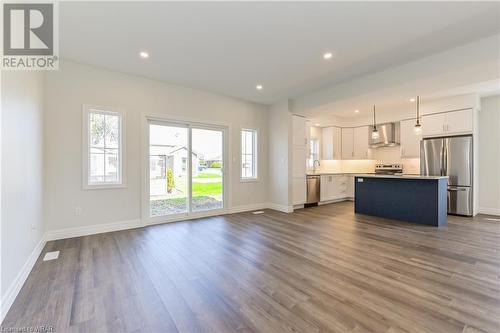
207,176
186,170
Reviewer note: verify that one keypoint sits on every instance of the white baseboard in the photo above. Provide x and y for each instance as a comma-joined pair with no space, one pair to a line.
247,208
92,229
15,287
281,208
334,201
489,211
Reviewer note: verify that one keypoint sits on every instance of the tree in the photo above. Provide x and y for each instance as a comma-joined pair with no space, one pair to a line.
170,180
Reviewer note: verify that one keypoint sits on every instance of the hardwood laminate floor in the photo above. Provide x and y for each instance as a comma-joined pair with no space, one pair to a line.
322,269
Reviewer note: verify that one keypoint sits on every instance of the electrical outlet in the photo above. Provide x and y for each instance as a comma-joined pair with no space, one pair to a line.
78,211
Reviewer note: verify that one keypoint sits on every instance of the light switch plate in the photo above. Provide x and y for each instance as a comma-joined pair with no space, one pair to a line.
51,255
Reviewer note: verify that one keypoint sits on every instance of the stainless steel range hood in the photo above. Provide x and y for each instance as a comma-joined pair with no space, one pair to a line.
388,135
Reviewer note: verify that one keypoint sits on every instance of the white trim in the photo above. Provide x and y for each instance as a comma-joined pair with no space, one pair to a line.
255,152
16,285
189,125
92,229
489,211
122,183
247,208
281,208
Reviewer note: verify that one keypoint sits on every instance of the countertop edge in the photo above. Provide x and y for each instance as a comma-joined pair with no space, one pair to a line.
373,175
402,176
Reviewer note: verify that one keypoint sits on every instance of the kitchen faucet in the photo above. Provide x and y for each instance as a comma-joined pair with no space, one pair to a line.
314,165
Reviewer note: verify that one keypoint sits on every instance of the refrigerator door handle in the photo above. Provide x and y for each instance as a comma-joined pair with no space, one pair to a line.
456,189
445,157
442,158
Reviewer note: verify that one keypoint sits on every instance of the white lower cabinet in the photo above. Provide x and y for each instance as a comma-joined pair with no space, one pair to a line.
336,187
299,190
333,187
350,187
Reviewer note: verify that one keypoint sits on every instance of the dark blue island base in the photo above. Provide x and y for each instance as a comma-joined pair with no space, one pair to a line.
418,199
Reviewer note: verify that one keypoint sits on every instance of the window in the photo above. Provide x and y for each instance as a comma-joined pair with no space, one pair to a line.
313,152
103,150
248,154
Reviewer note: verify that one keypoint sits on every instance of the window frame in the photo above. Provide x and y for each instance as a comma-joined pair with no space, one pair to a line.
86,111
255,152
311,156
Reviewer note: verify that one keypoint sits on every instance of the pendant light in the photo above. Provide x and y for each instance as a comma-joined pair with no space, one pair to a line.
375,134
417,129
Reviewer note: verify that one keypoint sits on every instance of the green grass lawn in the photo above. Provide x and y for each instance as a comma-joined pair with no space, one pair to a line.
207,175
207,189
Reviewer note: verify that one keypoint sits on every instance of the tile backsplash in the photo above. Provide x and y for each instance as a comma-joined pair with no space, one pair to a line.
380,155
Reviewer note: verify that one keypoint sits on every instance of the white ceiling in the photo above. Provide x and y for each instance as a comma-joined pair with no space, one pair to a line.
228,48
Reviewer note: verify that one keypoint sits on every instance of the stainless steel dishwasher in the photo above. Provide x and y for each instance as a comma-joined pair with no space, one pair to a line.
313,189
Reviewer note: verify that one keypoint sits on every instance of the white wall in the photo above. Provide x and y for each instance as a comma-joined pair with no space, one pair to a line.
279,155
75,84
489,155
22,176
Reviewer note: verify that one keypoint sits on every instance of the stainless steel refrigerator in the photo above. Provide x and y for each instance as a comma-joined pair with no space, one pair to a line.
452,157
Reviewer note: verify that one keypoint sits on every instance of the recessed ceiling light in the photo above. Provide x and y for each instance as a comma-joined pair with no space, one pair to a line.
144,54
327,55
356,111
412,99
317,125
259,87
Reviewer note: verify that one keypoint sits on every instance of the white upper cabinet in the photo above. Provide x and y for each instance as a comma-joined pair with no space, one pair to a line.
337,143
299,131
355,143
459,122
456,122
361,148
433,124
347,143
410,143
299,157
331,143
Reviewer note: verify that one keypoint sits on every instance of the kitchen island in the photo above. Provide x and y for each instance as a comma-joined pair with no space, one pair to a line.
411,198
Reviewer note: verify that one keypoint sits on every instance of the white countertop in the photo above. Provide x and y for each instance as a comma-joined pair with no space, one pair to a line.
332,173
374,175
400,176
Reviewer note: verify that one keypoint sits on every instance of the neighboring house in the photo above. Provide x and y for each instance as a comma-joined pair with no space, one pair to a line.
164,157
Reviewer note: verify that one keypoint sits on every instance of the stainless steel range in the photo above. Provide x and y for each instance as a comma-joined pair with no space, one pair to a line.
389,169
